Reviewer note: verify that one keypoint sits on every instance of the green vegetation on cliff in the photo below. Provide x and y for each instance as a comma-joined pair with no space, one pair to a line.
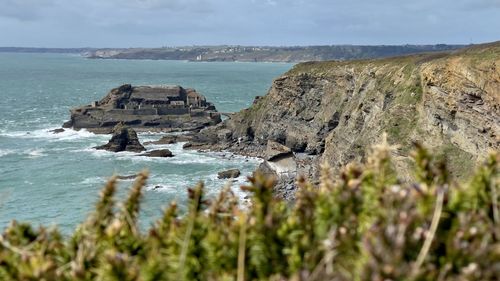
334,111
266,53
362,225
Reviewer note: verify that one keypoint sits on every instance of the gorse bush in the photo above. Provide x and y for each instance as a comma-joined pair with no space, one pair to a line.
360,225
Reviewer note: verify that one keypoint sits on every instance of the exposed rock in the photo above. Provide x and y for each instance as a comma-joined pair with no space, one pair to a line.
335,111
57,131
224,135
229,174
165,108
158,153
128,177
276,150
170,139
124,139
266,169
285,165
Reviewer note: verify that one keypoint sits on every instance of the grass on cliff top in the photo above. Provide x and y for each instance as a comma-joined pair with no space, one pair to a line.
360,225
482,52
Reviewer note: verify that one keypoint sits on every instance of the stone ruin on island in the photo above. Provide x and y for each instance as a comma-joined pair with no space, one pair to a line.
161,107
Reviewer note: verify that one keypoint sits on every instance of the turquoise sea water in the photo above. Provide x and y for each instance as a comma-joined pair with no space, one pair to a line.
54,179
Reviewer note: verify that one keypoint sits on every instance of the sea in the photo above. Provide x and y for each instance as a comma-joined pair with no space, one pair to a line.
54,179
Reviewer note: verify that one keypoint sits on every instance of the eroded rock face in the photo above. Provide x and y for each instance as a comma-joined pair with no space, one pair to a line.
166,108
276,150
335,111
124,139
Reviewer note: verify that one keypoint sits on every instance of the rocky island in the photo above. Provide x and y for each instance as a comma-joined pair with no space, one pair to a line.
146,108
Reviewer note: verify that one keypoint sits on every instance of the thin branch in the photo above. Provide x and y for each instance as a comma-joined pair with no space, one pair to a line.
494,200
241,248
432,231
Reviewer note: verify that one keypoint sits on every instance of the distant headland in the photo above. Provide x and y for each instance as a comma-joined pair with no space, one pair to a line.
246,53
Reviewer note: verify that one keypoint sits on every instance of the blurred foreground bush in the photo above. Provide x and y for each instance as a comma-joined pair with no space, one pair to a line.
360,225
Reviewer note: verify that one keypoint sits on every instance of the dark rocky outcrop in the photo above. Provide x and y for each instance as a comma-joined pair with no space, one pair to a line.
57,131
170,139
158,153
124,139
146,108
229,174
127,177
335,111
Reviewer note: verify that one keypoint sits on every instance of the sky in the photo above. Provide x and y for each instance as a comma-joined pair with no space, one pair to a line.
157,23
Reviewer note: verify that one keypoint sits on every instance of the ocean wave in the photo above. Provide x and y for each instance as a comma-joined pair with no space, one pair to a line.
5,152
100,153
175,193
68,134
35,153
94,180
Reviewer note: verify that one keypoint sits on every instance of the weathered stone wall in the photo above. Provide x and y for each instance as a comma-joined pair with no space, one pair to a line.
172,111
150,111
145,111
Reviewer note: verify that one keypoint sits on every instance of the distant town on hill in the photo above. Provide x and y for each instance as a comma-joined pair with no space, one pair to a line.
245,53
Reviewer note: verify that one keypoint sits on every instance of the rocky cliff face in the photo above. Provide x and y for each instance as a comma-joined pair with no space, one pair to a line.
334,111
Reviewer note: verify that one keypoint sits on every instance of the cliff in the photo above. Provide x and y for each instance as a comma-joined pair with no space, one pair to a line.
163,107
334,111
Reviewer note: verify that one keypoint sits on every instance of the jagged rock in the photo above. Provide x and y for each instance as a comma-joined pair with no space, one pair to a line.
124,139
276,150
158,153
163,107
229,174
187,145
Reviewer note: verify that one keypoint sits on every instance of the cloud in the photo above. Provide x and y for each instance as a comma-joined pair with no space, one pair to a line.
152,23
195,6
24,10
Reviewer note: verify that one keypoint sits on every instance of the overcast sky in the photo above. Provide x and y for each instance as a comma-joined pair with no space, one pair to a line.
155,23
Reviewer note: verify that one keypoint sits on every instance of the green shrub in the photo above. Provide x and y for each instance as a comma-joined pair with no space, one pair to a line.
360,225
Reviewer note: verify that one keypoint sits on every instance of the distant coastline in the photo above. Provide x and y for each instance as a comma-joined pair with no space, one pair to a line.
244,53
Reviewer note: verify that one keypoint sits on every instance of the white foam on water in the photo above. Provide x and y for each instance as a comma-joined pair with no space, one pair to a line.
35,153
68,134
161,188
101,153
94,180
5,152
94,152
192,159
214,185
